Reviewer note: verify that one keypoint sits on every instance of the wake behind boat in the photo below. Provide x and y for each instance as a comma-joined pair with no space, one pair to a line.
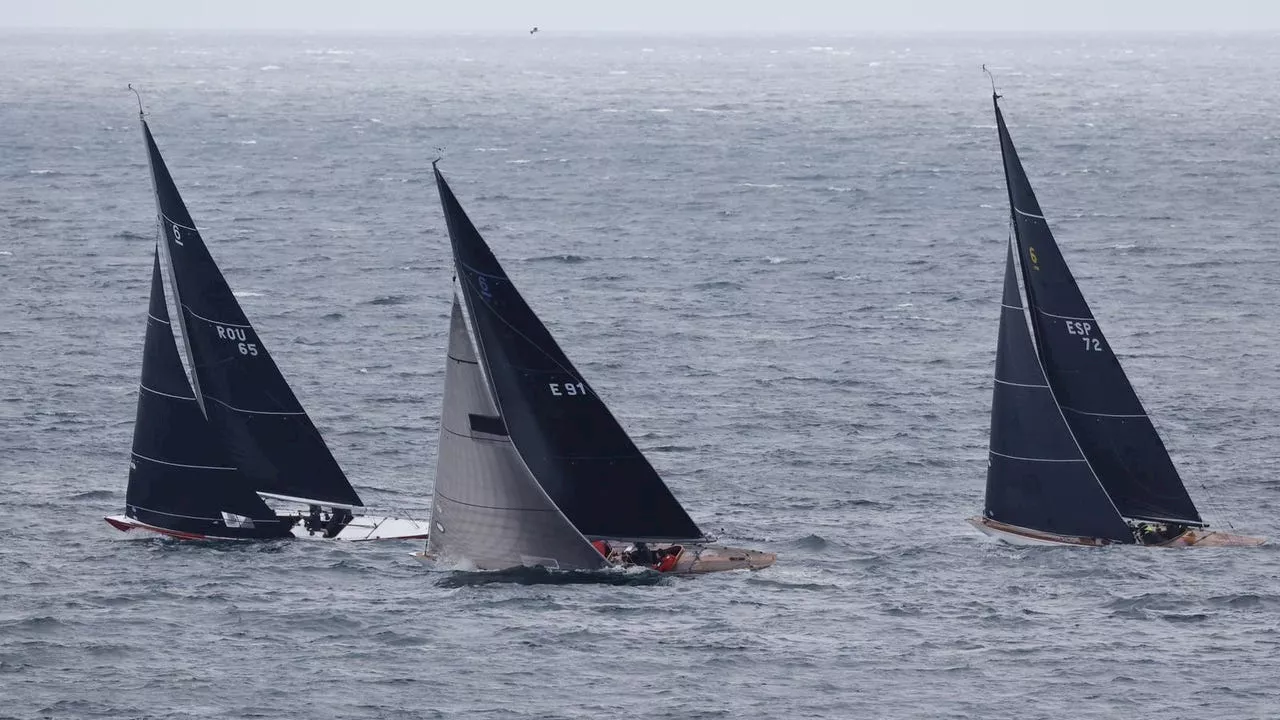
209,446
533,469
1074,458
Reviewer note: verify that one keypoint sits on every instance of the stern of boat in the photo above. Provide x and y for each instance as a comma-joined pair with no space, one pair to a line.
698,559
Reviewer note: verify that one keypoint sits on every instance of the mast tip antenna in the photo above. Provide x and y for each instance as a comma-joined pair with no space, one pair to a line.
993,82
439,157
136,94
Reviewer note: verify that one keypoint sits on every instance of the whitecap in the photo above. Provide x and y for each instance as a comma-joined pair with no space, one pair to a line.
757,185
775,259
245,293
269,67
618,72
833,188
248,142
517,162
660,110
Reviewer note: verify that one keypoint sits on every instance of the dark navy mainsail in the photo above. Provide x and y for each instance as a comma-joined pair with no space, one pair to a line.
1037,477
244,395
565,434
1104,413
180,477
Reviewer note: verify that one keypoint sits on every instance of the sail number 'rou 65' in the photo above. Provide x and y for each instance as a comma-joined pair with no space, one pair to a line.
1081,328
238,336
562,389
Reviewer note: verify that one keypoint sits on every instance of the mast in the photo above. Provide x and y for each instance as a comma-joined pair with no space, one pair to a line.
570,441
1090,386
168,262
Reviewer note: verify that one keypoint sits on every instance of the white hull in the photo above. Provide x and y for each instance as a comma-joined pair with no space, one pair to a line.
371,527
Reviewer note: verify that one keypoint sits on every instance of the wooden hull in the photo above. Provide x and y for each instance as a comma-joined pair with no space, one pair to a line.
693,560
697,560
1015,535
1194,537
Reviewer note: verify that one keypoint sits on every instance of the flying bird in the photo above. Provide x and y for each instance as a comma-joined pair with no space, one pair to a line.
534,30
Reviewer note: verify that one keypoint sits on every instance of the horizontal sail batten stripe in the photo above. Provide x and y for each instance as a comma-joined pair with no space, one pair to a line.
1011,307
1024,213
153,391
214,322
481,272
458,359
196,517
252,412
1025,385
492,507
159,320
1064,317
171,221
181,465
1097,414
1027,459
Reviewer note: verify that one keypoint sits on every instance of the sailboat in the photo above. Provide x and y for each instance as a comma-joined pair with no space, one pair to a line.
533,469
1074,458
200,447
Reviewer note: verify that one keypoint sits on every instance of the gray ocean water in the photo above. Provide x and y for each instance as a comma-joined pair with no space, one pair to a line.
779,261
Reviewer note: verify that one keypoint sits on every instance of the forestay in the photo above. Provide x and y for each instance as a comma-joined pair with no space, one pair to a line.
1099,404
565,434
246,399
180,477
487,509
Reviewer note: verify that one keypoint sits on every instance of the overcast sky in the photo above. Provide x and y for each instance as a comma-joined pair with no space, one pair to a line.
650,16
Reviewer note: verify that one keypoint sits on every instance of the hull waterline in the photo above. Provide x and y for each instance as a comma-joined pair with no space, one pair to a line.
693,560
1194,537
361,528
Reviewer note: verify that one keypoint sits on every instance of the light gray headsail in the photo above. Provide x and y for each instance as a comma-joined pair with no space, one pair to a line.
487,508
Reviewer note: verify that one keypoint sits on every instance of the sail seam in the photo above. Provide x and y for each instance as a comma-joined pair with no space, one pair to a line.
1025,385
171,221
165,394
251,412
461,360
1063,317
159,320
215,322
1030,459
197,517
493,507
1027,214
182,465
1111,415
494,439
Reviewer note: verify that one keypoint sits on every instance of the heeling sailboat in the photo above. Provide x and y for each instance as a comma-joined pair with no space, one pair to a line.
181,482
1074,457
533,467
249,406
